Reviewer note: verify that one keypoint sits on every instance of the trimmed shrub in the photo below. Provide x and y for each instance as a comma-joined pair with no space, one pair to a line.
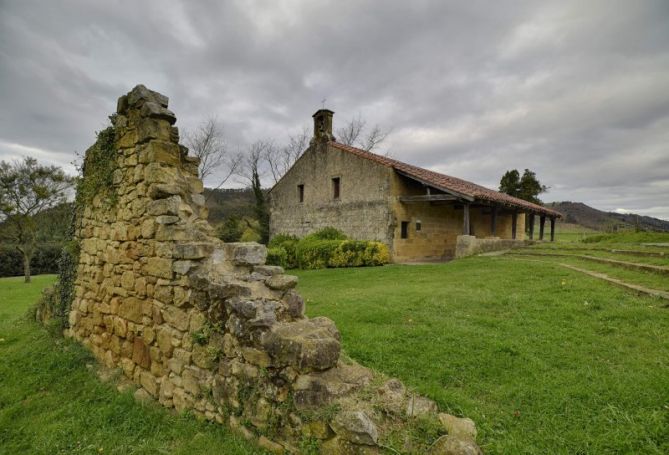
328,233
357,253
315,254
325,248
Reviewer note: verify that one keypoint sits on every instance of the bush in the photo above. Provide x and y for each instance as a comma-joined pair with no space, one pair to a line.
44,260
289,244
325,248
328,233
357,253
315,254
277,256
231,230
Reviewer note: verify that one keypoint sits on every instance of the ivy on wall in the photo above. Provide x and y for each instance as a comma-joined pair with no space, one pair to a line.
97,178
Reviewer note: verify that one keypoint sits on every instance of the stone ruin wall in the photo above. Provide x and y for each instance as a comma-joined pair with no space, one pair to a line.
205,326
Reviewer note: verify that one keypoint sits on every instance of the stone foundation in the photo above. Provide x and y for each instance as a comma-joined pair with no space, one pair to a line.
205,326
469,245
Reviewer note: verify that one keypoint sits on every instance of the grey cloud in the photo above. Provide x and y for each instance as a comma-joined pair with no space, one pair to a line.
577,91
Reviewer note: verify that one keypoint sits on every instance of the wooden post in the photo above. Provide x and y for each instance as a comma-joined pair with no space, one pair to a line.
552,229
542,223
531,215
493,221
514,225
465,224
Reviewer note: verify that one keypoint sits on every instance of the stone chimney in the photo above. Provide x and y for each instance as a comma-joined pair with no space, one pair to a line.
323,125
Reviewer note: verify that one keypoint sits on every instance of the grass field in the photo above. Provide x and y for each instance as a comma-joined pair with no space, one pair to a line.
544,359
50,403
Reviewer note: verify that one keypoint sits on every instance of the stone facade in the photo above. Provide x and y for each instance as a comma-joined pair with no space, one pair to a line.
362,209
369,205
201,325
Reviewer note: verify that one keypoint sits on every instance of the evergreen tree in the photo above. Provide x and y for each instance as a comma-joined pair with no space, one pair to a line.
510,183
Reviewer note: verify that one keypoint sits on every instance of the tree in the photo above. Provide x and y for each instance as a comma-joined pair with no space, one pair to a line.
207,143
526,187
26,190
355,134
530,187
280,159
251,171
510,183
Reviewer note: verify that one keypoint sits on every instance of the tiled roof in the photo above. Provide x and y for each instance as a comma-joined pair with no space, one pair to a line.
459,187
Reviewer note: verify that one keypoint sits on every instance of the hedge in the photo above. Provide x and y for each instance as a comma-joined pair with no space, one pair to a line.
45,260
325,248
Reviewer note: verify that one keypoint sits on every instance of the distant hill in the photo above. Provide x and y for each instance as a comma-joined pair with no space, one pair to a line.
598,220
239,203
226,203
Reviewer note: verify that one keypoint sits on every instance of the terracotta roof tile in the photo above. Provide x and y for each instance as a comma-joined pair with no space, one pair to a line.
447,183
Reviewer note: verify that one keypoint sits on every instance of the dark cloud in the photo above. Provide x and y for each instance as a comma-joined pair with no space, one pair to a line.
577,91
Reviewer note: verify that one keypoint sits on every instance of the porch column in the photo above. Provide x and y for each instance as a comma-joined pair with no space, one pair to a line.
531,215
493,221
514,224
465,220
552,229
542,223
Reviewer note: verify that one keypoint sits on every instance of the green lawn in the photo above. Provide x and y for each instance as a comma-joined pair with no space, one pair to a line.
544,359
50,403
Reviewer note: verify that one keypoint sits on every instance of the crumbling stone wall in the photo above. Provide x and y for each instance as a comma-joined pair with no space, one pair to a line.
205,326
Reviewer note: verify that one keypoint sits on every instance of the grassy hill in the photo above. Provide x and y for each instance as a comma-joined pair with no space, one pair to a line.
578,213
226,203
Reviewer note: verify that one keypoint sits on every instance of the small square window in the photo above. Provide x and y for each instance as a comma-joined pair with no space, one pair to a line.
300,192
405,230
418,225
335,187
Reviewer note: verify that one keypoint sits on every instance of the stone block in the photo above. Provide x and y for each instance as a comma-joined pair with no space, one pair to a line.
167,206
204,356
256,357
149,382
418,406
154,110
309,344
158,267
193,250
282,282
176,317
131,308
458,426
454,445
140,353
246,253
355,427
139,95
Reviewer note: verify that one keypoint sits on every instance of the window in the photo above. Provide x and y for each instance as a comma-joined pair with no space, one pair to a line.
300,192
335,188
405,230
418,225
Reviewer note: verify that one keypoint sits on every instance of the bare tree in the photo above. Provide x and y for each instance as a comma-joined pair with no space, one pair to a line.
280,159
208,144
355,133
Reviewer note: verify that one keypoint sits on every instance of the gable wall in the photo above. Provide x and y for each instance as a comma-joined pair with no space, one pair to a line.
362,211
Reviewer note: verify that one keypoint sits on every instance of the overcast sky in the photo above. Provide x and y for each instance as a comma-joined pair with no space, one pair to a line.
576,91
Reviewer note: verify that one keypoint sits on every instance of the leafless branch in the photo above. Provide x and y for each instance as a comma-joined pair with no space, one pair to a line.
354,133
